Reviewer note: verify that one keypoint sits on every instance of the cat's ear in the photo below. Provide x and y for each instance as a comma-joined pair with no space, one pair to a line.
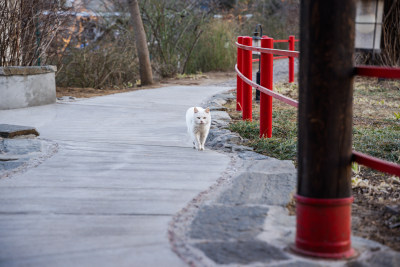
207,110
195,110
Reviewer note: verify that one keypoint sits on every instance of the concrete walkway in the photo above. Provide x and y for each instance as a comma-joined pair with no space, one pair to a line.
124,167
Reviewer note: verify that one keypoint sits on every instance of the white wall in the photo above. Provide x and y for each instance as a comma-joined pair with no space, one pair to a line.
26,89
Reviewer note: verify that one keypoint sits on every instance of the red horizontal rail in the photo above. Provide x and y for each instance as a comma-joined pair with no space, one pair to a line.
257,59
280,57
381,72
264,90
377,164
269,50
285,41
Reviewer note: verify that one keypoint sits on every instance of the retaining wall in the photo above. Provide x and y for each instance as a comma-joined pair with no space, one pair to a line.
22,87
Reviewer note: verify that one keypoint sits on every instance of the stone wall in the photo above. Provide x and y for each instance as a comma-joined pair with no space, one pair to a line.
22,87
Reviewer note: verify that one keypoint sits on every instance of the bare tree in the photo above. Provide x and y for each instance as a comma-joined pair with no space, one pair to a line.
27,29
146,75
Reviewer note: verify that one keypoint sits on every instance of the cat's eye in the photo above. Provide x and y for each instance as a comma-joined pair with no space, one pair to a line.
199,118
205,118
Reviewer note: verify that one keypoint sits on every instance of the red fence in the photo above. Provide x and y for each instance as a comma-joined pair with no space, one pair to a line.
245,84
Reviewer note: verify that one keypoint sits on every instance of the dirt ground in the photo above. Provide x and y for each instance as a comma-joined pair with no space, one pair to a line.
195,79
376,208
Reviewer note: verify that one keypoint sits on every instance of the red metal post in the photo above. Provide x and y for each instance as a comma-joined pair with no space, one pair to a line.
248,72
267,66
239,82
291,59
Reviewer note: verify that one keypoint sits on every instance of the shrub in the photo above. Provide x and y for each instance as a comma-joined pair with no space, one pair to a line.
110,61
215,49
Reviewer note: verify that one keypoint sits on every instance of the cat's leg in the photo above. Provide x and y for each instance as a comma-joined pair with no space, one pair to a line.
202,141
204,138
197,141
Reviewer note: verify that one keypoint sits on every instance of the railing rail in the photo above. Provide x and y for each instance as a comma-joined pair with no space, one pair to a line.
267,91
269,50
369,71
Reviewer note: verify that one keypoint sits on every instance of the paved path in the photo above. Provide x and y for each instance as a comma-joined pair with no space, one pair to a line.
123,169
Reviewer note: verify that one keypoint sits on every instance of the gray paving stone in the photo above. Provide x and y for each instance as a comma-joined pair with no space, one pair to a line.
241,252
378,259
9,165
260,188
20,146
227,222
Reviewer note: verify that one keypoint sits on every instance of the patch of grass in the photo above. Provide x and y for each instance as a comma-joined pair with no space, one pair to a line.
382,143
376,130
282,145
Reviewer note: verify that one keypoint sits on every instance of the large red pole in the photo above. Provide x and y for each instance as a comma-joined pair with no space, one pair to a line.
291,59
239,82
248,72
266,80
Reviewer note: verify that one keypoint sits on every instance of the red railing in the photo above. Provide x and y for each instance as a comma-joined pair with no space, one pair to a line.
245,85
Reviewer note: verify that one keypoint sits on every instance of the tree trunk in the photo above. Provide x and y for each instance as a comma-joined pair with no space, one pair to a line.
146,76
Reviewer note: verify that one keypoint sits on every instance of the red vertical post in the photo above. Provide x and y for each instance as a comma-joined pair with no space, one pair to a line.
239,82
291,59
248,73
266,80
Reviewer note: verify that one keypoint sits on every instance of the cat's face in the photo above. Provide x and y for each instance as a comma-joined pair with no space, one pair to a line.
202,117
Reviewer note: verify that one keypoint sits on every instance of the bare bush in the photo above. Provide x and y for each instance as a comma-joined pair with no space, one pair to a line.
215,50
279,19
390,54
173,29
109,61
27,28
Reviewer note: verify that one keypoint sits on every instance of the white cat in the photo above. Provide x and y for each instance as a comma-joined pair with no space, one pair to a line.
198,122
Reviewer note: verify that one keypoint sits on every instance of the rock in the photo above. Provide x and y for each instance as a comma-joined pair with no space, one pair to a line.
10,131
249,155
223,139
214,133
394,209
239,148
220,115
217,108
218,101
219,124
66,98
21,146
394,180
225,96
